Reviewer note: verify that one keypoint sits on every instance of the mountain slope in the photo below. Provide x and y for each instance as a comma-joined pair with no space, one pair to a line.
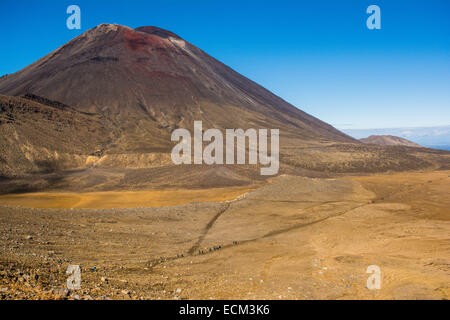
38,135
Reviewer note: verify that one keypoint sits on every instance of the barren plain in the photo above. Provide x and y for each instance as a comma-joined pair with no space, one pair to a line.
291,238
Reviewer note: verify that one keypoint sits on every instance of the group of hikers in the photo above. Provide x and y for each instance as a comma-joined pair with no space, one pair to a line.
215,248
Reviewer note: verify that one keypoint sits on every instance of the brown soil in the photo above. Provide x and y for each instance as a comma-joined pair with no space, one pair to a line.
294,238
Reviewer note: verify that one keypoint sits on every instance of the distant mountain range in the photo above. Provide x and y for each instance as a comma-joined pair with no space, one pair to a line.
431,137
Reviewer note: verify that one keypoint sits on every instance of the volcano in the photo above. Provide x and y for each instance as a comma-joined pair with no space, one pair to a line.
130,88
152,74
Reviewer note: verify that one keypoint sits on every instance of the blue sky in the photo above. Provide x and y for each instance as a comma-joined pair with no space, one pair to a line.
317,54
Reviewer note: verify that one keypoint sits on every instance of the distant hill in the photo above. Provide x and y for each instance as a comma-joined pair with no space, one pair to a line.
430,137
387,140
42,135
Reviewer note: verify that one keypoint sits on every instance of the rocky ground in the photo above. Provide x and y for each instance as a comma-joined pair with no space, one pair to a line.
295,238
